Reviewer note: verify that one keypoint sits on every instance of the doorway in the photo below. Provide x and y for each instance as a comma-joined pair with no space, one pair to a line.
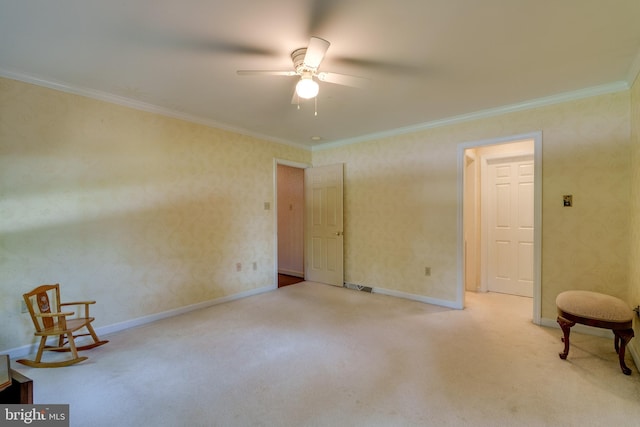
290,223
501,217
309,223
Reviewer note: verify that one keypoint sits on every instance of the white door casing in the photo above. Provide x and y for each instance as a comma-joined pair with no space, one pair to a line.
534,142
510,225
471,226
324,233
290,220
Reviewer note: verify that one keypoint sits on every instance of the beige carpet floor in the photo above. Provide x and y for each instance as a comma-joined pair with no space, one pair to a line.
316,355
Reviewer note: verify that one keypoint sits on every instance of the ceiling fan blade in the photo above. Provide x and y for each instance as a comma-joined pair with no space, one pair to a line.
190,42
265,73
382,66
315,52
320,14
234,48
344,79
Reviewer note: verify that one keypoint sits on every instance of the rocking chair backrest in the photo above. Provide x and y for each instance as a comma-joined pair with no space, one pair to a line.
38,301
44,306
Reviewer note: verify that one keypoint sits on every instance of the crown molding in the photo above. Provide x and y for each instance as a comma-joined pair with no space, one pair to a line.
491,112
634,70
137,105
152,108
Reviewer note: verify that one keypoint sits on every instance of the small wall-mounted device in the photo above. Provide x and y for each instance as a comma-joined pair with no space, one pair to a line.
567,200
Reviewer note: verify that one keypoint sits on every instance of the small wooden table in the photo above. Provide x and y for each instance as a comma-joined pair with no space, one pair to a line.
14,387
598,310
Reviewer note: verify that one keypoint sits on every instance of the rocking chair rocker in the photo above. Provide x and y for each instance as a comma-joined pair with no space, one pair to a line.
61,325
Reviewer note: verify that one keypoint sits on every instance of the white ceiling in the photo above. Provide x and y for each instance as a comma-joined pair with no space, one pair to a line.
428,60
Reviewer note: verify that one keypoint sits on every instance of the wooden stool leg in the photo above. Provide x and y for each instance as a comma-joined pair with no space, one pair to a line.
565,325
623,336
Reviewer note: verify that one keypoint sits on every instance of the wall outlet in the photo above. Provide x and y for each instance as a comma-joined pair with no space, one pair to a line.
238,266
427,271
255,266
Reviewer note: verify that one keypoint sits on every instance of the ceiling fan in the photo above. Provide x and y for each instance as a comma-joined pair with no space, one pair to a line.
306,62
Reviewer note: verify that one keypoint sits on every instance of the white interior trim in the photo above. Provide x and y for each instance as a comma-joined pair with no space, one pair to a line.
634,355
491,112
634,70
413,297
578,328
138,105
26,350
293,164
589,330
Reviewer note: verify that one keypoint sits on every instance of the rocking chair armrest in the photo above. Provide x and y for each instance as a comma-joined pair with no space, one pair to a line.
62,318
77,303
63,314
85,303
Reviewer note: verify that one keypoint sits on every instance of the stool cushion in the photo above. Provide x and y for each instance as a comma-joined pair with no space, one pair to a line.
594,305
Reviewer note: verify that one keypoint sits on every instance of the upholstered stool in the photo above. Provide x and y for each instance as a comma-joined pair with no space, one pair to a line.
599,310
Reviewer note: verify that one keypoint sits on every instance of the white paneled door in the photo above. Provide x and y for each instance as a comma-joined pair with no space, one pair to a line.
510,218
324,225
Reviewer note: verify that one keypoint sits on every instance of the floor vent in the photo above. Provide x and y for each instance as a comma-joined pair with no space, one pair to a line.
358,287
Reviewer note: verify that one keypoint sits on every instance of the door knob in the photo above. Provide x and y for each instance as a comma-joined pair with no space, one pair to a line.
339,233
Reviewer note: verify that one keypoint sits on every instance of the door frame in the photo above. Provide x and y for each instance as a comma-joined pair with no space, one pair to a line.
276,162
537,206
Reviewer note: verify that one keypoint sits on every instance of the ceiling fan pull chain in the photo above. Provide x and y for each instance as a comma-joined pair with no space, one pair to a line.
316,109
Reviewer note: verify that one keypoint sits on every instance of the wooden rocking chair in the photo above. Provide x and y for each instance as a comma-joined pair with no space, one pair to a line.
61,325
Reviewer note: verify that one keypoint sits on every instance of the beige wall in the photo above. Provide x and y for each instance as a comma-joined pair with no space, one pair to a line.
146,213
634,260
141,212
401,200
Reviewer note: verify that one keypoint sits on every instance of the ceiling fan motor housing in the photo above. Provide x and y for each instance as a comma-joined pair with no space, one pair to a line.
297,56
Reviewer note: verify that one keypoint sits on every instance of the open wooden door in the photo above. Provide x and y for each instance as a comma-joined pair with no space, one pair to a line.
324,239
510,219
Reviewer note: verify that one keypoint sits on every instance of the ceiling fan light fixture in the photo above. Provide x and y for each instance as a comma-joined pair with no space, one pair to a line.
307,88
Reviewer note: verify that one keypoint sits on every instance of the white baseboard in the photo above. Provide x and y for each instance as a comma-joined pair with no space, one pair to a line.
635,356
579,328
414,297
25,350
590,330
